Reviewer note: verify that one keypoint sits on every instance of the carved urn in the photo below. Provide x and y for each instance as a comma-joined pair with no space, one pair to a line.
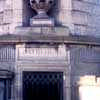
41,7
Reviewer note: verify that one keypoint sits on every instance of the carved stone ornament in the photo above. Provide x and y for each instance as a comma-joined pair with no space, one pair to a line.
41,7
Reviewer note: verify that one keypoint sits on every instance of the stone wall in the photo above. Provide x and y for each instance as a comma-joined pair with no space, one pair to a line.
42,57
7,57
86,17
10,15
85,62
6,16
81,16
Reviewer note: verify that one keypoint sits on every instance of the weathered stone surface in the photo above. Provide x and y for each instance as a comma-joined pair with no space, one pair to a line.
42,22
79,64
89,8
59,31
73,13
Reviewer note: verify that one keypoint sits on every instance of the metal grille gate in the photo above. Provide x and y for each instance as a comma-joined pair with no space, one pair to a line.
42,86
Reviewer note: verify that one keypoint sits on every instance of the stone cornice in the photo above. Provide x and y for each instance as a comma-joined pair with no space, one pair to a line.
75,40
47,35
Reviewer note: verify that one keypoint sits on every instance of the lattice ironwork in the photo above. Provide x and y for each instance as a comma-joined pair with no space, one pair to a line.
43,85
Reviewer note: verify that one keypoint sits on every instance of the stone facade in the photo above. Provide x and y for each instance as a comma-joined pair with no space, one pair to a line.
81,16
72,47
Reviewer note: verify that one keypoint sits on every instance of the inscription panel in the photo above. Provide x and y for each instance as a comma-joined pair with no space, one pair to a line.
42,52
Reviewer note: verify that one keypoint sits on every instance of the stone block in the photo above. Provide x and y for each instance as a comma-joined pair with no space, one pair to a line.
1,29
65,4
8,16
2,4
82,6
86,13
45,31
1,18
64,17
79,18
41,22
91,30
9,4
96,10
17,4
17,16
80,29
91,1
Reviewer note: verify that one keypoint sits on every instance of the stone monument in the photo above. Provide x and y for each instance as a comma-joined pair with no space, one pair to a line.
41,7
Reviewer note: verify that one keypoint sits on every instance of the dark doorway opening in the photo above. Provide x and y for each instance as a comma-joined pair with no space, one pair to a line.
42,86
5,89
